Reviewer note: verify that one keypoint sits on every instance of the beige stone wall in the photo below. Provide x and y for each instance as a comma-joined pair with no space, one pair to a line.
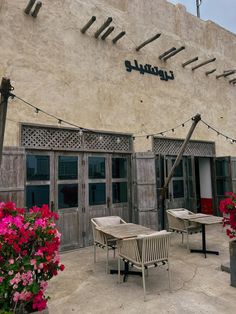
83,80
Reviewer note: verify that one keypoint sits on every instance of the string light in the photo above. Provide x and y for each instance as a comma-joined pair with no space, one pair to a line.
162,133
232,140
118,140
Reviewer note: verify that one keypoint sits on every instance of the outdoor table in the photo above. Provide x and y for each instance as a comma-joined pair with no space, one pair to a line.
124,231
203,220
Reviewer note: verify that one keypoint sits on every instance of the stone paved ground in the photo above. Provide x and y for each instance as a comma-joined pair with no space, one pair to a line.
198,284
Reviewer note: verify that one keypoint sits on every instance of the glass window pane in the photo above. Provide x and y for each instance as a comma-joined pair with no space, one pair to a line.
234,169
67,195
178,188
67,167
97,193
37,167
96,167
179,169
119,168
222,168
119,192
37,195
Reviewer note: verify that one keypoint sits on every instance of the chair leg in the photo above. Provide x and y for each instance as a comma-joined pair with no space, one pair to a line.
107,259
169,276
118,269
144,285
188,243
94,252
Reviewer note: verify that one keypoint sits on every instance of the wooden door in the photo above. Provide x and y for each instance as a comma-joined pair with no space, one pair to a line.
233,171
69,199
222,179
119,186
106,188
12,176
39,185
96,190
145,200
191,184
177,191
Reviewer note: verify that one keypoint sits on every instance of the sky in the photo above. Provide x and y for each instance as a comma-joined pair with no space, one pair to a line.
222,12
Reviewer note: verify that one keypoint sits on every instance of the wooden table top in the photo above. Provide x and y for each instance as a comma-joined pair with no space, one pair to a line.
207,220
127,230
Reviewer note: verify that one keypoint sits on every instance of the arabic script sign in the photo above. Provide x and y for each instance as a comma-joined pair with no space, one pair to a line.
147,68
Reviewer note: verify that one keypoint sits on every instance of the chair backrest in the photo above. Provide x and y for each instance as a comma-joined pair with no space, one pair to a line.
107,221
99,236
146,249
155,248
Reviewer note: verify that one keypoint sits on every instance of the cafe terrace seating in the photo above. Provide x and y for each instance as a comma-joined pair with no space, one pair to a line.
178,224
145,251
100,239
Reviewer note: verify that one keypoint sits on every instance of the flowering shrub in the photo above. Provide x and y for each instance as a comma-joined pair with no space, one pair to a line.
29,243
228,208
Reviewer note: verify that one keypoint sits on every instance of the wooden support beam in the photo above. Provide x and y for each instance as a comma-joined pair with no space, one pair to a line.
5,90
173,53
227,73
203,63
148,41
104,25
36,9
29,6
189,61
167,52
210,72
108,32
119,36
233,81
87,25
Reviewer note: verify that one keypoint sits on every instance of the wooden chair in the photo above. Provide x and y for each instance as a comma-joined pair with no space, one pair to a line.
180,225
144,252
100,239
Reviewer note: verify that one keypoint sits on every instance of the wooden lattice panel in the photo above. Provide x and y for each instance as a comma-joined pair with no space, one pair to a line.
40,137
107,142
166,146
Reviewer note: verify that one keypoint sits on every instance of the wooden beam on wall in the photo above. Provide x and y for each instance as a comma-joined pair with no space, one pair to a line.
173,53
87,25
148,41
189,61
167,52
203,63
104,25
119,36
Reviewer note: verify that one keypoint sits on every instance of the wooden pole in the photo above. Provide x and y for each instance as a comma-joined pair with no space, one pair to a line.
5,89
196,119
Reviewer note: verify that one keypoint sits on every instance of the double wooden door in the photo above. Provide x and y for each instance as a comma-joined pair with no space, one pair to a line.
78,186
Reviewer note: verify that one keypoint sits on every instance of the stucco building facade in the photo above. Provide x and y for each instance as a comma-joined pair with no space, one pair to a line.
122,101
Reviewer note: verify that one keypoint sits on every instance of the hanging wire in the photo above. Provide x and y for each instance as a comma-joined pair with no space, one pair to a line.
232,140
165,131
59,120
